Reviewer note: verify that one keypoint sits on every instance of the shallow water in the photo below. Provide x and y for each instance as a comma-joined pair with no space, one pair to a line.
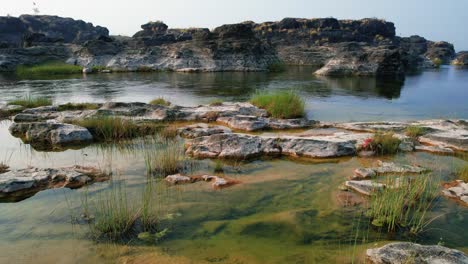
283,211
438,93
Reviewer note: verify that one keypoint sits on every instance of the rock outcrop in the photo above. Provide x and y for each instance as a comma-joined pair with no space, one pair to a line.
405,252
340,47
23,183
457,190
461,58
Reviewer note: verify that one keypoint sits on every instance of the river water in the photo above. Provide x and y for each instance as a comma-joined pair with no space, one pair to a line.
283,211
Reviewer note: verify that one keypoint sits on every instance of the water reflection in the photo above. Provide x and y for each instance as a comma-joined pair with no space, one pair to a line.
351,98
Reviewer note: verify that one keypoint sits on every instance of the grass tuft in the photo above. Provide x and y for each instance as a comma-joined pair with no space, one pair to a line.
415,131
160,101
463,173
218,168
109,128
281,104
53,68
164,156
216,102
78,106
382,143
31,102
404,206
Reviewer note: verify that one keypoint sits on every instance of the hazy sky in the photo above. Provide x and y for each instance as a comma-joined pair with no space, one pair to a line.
433,19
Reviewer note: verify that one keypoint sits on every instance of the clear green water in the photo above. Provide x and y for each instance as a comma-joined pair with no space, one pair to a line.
284,211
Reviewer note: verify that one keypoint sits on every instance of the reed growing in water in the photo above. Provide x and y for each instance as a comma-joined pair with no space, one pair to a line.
405,205
109,128
164,156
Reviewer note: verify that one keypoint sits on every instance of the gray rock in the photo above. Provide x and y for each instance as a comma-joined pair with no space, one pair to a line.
51,134
390,167
254,123
178,179
364,173
459,191
405,252
22,183
201,130
242,146
461,59
366,187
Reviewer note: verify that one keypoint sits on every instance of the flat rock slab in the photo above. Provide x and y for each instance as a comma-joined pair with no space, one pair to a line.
50,134
365,187
217,182
457,190
405,252
202,130
25,182
255,123
451,134
243,146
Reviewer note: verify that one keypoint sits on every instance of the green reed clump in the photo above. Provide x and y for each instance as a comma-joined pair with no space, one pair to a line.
114,214
405,205
463,173
52,68
415,131
31,102
78,106
160,101
385,143
164,156
168,132
218,168
216,102
109,128
280,104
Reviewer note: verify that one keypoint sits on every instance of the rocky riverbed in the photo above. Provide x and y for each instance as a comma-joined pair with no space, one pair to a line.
337,47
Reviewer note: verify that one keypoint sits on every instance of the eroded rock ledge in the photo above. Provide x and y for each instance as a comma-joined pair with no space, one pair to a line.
405,252
23,183
342,47
49,126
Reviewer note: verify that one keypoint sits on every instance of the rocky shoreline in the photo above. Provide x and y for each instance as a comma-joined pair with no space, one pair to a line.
336,47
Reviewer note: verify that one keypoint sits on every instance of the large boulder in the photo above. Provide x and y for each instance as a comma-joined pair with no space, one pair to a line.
405,252
51,134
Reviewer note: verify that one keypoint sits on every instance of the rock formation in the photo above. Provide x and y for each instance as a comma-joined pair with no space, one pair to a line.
405,252
340,47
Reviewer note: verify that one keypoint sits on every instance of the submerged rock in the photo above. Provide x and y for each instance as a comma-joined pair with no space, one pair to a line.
386,168
365,187
51,134
457,190
405,252
217,182
22,183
